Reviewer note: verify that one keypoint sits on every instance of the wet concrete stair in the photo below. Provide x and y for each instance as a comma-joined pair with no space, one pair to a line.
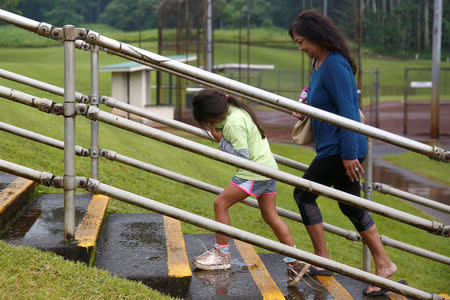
152,248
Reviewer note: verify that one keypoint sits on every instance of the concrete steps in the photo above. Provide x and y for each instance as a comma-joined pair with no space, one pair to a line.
152,248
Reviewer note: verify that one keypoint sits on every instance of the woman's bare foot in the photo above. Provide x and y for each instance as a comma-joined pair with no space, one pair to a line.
385,272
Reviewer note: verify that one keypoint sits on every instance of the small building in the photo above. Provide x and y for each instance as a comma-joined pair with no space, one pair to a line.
131,82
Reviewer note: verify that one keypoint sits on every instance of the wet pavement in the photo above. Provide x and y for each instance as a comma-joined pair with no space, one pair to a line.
42,226
134,246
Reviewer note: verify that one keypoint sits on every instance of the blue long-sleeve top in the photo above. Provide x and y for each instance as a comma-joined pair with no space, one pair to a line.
333,89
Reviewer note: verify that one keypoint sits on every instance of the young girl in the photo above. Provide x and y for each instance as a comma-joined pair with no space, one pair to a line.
238,132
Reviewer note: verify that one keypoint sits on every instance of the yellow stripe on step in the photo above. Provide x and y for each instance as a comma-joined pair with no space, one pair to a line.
334,287
89,228
394,296
12,191
262,278
177,260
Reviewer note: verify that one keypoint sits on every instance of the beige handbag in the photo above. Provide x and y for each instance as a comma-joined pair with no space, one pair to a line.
302,133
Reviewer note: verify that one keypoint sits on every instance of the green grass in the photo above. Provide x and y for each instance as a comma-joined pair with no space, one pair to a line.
434,277
46,64
28,273
284,56
422,165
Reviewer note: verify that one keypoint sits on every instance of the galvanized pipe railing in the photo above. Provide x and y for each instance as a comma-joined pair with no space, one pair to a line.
115,103
387,189
69,112
94,101
79,97
196,74
81,151
94,113
211,79
95,186
432,226
114,156
437,152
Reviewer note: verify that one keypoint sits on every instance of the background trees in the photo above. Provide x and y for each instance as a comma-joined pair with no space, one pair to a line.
394,26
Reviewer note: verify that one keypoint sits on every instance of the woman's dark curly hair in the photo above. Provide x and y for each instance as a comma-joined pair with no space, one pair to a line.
321,30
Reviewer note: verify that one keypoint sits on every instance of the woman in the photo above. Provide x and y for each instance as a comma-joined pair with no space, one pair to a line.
340,152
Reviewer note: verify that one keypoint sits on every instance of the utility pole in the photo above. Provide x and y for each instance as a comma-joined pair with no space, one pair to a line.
359,10
209,35
436,68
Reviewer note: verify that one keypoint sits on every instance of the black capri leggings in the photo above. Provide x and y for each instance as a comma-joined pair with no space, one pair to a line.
330,171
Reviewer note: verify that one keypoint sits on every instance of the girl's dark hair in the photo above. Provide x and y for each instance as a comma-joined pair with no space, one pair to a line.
210,104
321,30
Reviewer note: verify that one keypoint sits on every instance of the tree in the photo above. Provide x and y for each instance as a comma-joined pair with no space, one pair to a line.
127,15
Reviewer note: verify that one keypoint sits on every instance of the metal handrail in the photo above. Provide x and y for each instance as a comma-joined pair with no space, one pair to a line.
94,113
116,103
70,34
114,156
387,189
211,79
95,186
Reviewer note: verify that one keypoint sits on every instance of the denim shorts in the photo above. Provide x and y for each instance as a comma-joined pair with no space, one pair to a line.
255,188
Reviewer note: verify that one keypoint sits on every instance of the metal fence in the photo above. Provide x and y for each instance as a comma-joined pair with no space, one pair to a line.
70,109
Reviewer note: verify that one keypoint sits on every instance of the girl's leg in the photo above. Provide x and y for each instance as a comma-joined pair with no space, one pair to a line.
227,198
269,213
296,268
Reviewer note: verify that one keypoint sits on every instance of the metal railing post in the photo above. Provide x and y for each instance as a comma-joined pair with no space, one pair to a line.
377,98
94,102
368,196
69,131
405,104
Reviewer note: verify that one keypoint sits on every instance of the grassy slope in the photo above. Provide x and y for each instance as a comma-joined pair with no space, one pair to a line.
46,64
31,274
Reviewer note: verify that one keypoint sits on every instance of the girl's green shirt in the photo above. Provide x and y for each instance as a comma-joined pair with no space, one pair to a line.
239,129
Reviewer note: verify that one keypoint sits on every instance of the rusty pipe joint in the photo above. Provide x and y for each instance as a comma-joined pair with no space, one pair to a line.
94,100
81,109
92,185
92,113
43,104
69,32
108,154
81,33
57,33
46,178
353,236
447,156
439,228
438,153
45,29
92,37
